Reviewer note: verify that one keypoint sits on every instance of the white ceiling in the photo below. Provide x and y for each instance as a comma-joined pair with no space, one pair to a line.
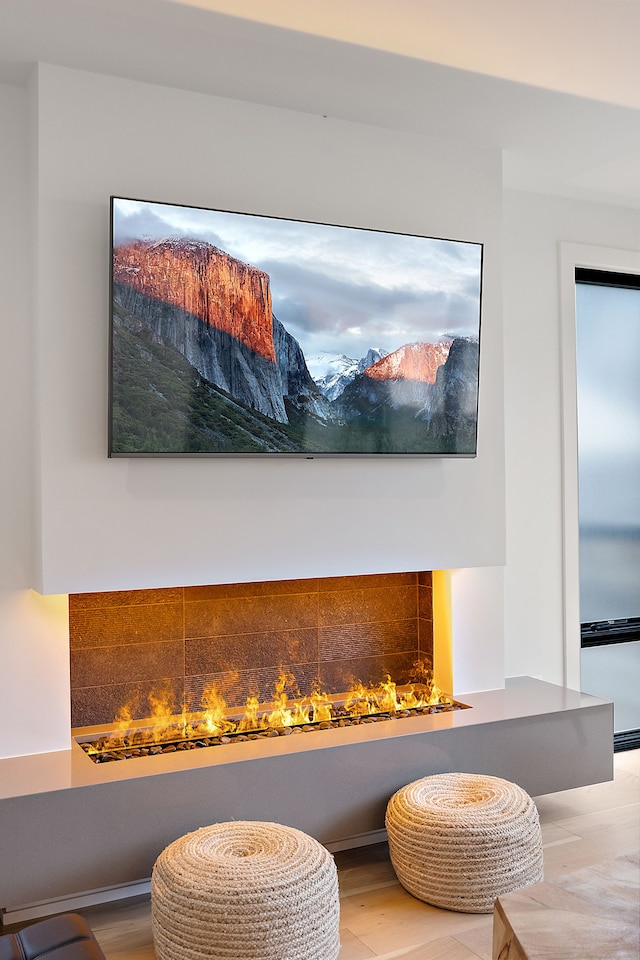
584,47
554,83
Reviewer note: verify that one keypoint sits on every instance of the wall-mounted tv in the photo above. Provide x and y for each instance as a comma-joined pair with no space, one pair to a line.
235,334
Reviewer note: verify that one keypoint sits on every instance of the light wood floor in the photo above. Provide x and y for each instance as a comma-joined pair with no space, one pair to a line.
580,828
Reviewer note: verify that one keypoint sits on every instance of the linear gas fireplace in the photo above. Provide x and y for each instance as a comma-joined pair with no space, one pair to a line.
187,650
215,726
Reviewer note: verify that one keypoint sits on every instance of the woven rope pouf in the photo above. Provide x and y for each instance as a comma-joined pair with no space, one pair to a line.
460,840
245,890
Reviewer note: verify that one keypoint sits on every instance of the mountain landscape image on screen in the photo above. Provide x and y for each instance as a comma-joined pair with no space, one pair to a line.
202,363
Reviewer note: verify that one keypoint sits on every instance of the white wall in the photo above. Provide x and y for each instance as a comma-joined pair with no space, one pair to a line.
33,629
535,228
135,523
475,625
15,385
102,524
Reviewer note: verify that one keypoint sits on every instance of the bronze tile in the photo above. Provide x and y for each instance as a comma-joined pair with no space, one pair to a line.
263,588
244,651
124,598
120,625
368,639
101,705
338,675
425,602
121,640
366,606
215,618
425,637
369,581
260,682
99,666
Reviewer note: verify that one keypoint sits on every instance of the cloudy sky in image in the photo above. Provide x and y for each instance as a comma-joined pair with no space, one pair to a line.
335,290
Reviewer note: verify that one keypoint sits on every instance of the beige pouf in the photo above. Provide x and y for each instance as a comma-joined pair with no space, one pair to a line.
459,840
245,890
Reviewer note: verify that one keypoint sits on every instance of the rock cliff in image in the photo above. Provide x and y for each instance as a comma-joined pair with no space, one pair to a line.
205,282
451,408
413,361
215,310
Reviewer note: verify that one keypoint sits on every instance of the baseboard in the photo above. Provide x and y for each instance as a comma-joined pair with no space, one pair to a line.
626,740
362,840
47,908
72,902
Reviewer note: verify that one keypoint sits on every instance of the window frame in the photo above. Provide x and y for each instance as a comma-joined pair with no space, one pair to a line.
611,260
624,629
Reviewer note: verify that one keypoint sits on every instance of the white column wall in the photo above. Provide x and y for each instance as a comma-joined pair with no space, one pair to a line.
34,636
477,619
535,229
154,522
101,524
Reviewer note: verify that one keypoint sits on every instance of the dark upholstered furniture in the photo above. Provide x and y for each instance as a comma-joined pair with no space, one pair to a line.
67,937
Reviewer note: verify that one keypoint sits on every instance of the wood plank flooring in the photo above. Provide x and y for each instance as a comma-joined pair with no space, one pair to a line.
580,828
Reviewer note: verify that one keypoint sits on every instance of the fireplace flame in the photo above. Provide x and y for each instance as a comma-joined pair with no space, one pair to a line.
283,713
215,719
250,720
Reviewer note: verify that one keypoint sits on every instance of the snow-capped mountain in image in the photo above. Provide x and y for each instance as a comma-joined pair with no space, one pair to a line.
333,372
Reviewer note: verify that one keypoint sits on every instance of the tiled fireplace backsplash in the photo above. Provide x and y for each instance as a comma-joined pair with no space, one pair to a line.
128,644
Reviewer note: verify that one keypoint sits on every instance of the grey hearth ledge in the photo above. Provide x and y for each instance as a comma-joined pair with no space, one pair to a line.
68,825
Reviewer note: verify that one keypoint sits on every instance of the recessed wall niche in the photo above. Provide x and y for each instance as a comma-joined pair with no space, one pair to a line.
130,646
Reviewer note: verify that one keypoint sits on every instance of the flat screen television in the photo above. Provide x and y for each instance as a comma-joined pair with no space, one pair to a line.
234,334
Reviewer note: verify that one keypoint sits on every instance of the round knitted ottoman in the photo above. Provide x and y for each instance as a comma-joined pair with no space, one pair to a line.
245,890
459,840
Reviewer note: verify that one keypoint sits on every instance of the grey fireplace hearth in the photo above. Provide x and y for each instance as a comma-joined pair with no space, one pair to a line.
68,826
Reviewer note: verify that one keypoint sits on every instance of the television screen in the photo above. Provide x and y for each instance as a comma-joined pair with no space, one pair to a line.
241,335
